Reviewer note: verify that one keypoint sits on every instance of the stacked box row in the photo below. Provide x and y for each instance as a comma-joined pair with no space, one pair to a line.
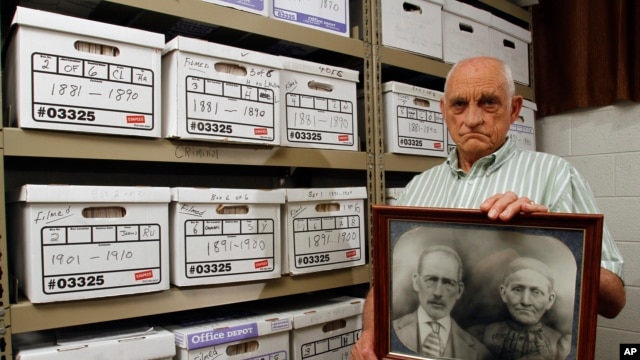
322,328
70,242
71,74
451,30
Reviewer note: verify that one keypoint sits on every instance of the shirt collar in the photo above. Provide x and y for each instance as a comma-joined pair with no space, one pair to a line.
485,165
424,318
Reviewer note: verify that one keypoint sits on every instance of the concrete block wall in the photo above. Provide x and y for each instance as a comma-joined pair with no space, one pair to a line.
604,145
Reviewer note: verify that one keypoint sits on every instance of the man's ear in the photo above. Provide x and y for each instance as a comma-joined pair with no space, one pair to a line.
552,300
516,106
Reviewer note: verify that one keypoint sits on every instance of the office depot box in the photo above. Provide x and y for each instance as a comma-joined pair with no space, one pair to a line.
74,242
510,43
465,31
260,7
215,92
326,329
256,336
324,229
225,235
130,344
67,73
332,17
414,26
412,119
319,106
523,130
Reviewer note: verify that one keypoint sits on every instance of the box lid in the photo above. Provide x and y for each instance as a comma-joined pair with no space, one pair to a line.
317,194
215,332
397,87
511,29
69,24
529,104
326,310
314,68
156,343
219,51
89,194
467,11
217,195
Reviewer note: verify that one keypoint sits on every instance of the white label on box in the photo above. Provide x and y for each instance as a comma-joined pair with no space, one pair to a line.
229,109
420,129
320,241
321,346
228,247
64,89
89,257
331,15
522,135
313,119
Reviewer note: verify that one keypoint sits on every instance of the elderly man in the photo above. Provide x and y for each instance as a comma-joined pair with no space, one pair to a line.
527,290
429,330
488,172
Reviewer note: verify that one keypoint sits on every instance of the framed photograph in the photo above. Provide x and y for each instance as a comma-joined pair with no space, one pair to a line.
453,284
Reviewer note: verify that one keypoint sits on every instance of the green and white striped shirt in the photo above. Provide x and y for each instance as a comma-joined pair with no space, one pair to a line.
544,178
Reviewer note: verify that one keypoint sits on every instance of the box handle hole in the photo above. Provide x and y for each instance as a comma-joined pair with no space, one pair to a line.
243,348
421,102
466,28
314,85
104,212
232,209
411,8
334,325
327,207
233,69
509,44
94,48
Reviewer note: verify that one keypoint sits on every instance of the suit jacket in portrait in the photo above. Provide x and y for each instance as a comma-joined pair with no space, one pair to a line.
460,345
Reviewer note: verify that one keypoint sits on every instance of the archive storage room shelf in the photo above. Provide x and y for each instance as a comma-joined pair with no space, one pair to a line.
50,156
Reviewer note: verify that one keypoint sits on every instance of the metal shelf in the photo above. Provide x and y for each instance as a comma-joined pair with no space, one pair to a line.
226,17
59,144
26,316
410,163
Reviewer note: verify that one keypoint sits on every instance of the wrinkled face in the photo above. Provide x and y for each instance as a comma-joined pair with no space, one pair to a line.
527,295
437,284
477,108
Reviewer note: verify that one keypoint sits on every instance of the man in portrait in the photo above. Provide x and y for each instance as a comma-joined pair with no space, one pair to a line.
527,290
429,330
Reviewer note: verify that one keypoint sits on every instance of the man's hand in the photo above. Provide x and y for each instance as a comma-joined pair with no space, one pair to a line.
506,206
363,349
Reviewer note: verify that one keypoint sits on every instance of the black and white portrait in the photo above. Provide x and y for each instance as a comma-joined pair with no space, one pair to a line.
478,292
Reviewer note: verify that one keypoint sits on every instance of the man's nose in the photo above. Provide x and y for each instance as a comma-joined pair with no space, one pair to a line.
473,116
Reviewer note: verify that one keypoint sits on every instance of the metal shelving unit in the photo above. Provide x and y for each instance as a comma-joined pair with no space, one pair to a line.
242,29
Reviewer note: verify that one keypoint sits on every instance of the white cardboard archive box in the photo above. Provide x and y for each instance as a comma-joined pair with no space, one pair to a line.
73,242
510,43
413,121
256,336
414,25
129,344
329,16
215,92
326,329
465,31
324,229
72,74
523,130
225,235
319,105
260,7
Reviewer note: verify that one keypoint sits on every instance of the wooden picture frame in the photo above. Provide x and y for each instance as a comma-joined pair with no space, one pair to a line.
568,244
